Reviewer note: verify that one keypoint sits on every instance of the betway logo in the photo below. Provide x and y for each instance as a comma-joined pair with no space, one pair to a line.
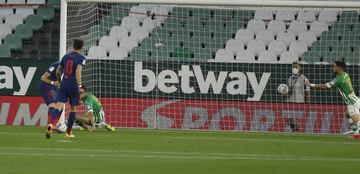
24,80
168,80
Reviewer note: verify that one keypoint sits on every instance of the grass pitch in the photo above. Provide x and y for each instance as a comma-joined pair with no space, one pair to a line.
25,150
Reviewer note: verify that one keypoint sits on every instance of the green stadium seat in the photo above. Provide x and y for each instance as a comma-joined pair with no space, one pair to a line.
13,41
180,11
203,54
5,51
46,13
350,17
240,15
341,28
311,57
182,53
24,31
140,54
330,36
353,59
34,22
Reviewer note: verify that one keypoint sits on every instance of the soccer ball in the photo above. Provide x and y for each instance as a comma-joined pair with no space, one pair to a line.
61,127
283,89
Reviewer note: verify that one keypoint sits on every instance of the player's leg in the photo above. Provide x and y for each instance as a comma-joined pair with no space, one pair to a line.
82,119
354,112
55,116
353,126
74,100
100,121
48,96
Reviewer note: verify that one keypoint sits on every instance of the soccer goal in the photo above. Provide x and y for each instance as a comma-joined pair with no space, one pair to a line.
216,65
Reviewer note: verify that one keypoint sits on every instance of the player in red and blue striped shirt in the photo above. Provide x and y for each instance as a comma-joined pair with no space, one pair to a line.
70,68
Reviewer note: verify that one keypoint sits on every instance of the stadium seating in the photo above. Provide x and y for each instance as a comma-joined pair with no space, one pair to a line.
260,36
21,22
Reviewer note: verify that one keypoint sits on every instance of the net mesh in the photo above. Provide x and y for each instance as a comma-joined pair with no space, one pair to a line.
214,67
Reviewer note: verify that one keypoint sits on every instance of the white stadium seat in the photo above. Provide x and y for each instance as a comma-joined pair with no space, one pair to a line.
148,6
5,12
160,14
299,47
245,56
223,55
267,57
318,27
139,33
96,52
2,1
139,12
118,33
265,15
244,35
286,36
129,43
277,47
328,16
255,26
16,2
234,46
297,27
266,35
108,43
149,24
288,57
306,16
4,30
285,15
118,53
256,46
276,26
308,37
24,11
14,20
129,23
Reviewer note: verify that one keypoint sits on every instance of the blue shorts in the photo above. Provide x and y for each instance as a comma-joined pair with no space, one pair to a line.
47,92
69,90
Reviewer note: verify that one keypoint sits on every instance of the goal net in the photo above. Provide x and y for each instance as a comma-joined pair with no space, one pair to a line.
211,67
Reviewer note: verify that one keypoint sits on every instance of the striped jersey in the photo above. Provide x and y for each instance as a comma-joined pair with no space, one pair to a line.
343,83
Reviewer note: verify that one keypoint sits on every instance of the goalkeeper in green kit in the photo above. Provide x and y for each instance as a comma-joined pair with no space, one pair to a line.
343,83
94,116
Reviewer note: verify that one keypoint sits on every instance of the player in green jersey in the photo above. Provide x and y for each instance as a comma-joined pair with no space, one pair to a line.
343,83
94,116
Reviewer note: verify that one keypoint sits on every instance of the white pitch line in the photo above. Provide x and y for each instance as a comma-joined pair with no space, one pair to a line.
166,154
181,157
263,140
233,139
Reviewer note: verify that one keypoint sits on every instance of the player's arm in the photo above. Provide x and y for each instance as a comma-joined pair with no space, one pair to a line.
79,74
58,72
45,79
318,86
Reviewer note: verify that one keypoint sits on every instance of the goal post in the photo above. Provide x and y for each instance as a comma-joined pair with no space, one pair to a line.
216,65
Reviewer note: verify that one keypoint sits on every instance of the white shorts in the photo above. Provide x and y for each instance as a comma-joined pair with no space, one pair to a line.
354,109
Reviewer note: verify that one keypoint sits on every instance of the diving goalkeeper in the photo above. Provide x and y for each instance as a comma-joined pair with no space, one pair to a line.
94,116
343,83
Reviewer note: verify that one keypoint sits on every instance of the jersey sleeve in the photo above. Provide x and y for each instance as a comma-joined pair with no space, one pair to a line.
51,69
83,61
334,83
